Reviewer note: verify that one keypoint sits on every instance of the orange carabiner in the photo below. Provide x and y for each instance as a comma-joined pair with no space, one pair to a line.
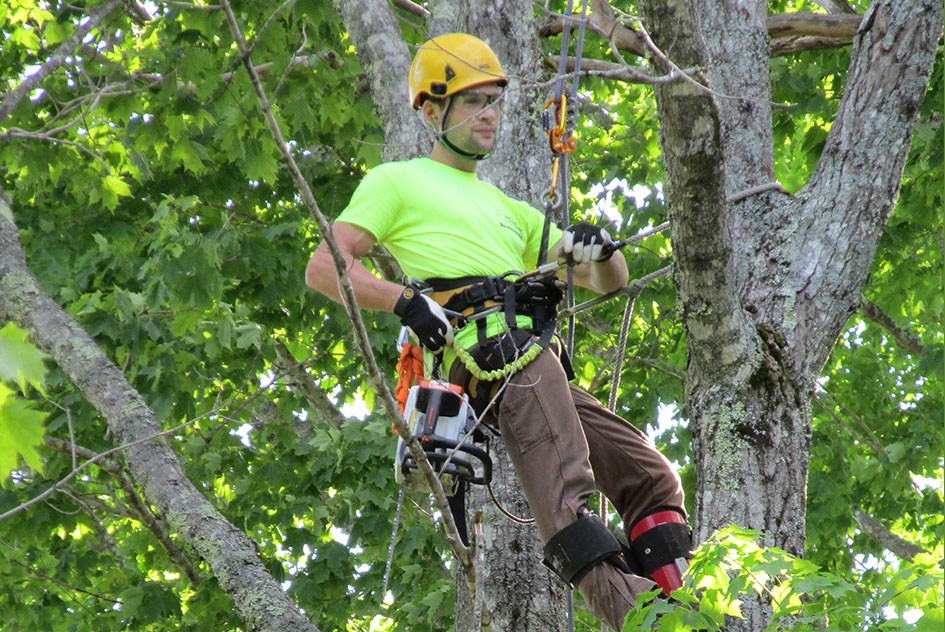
556,140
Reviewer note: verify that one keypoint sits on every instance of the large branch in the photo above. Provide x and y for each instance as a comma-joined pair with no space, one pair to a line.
813,25
15,97
258,598
878,532
790,32
856,184
385,60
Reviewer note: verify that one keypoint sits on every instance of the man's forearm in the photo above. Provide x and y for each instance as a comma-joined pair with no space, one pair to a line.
605,276
370,292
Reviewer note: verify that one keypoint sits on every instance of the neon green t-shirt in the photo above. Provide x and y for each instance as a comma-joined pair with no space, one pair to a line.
440,222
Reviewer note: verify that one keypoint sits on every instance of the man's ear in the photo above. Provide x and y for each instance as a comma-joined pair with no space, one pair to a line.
431,113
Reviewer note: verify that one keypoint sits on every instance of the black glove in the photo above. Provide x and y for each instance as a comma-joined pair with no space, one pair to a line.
425,318
581,243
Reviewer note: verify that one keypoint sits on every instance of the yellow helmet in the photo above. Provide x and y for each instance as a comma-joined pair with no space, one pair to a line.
450,63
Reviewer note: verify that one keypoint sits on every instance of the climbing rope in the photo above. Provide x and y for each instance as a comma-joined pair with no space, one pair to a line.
514,366
561,144
409,372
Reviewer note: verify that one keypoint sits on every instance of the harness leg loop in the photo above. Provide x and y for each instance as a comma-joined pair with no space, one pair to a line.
575,550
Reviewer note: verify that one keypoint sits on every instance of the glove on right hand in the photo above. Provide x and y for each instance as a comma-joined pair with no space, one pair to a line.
583,243
425,318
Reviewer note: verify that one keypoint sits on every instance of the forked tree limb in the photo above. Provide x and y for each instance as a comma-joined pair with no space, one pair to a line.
789,32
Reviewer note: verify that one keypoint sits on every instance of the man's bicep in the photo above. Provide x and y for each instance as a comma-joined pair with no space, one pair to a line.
352,239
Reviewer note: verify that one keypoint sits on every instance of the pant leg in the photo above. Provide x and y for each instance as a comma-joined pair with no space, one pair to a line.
628,468
544,437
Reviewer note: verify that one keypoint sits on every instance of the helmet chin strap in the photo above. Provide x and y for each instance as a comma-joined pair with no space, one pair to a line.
456,151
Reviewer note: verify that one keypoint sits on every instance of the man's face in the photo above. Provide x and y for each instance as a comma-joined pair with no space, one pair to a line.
473,122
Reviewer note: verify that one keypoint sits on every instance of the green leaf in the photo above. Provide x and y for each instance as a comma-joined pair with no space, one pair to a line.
20,361
21,432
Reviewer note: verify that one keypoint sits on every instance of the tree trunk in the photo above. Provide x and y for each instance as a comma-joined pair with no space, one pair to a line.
518,592
768,281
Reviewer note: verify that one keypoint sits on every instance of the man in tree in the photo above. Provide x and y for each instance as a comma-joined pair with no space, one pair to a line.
462,236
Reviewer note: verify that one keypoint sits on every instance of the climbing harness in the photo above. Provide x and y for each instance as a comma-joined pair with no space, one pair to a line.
473,299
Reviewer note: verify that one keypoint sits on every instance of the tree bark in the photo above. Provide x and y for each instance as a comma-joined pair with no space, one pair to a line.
258,598
385,61
767,282
518,592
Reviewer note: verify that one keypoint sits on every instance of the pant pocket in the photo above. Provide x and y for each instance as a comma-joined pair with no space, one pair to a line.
524,417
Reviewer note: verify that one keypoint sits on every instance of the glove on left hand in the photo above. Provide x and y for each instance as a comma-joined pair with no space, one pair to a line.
581,243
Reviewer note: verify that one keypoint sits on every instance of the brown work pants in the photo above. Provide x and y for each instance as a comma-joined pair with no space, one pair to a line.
565,446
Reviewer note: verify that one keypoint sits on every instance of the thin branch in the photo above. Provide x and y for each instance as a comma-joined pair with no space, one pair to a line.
870,439
835,6
17,133
265,26
297,376
32,571
412,8
351,307
607,70
139,510
193,7
13,99
92,461
908,341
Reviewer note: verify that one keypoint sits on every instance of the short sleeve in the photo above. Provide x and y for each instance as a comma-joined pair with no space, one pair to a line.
374,206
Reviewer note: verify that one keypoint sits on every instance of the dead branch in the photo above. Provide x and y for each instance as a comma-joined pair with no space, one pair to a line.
610,70
412,8
351,307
